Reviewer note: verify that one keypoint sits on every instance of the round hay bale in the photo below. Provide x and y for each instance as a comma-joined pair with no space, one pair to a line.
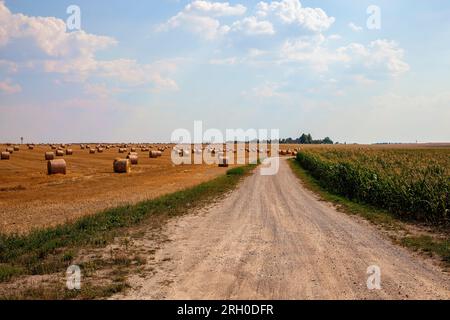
30,147
82,146
69,152
122,150
49,155
155,154
223,161
122,165
53,147
133,158
91,151
59,153
56,166
5,155
100,150
16,148
133,149
10,150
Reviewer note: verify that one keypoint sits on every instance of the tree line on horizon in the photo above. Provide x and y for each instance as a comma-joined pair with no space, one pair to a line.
306,139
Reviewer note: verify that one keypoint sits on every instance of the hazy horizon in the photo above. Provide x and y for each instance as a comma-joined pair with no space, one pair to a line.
138,70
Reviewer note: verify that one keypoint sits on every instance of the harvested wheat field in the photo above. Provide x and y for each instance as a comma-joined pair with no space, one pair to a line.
31,199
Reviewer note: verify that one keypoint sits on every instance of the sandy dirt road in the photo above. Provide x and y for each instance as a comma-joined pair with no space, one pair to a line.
273,239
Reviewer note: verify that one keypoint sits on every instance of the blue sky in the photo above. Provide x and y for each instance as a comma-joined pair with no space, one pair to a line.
138,70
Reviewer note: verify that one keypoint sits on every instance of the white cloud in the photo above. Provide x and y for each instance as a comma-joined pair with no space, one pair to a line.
50,48
200,17
312,51
354,27
217,9
205,26
382,56
253,26
291,11
8,87
49,35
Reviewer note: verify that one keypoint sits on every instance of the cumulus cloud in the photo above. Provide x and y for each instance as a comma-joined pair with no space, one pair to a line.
253,26
291,11
50,48
207,27
201,17
382,56
218,9
49,35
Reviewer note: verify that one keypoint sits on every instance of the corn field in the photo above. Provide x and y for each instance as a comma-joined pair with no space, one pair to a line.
412,183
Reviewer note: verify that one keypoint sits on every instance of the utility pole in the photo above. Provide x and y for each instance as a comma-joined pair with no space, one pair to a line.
21,140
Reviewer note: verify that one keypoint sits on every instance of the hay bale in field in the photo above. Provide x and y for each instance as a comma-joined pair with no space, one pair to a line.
133,149
16,148
122,150
10,150
59,153
5,155
91,150
49,155
223,161
133,157
69,152
30,147
122,165
82,146
56,166
155,154
100,150
53,147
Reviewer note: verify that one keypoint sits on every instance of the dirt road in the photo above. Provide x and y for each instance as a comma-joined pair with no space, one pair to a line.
272,239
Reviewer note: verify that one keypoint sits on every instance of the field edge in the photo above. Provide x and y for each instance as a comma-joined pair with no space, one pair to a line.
429,242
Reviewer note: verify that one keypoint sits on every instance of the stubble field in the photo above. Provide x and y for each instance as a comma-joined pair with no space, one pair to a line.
32,199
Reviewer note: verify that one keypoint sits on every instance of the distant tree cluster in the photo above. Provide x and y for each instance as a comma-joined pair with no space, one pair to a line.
306,139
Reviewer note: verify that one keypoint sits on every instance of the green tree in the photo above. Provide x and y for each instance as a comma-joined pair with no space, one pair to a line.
327,140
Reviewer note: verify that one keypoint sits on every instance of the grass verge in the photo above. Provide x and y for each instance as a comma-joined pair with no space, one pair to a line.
438,246
51,250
